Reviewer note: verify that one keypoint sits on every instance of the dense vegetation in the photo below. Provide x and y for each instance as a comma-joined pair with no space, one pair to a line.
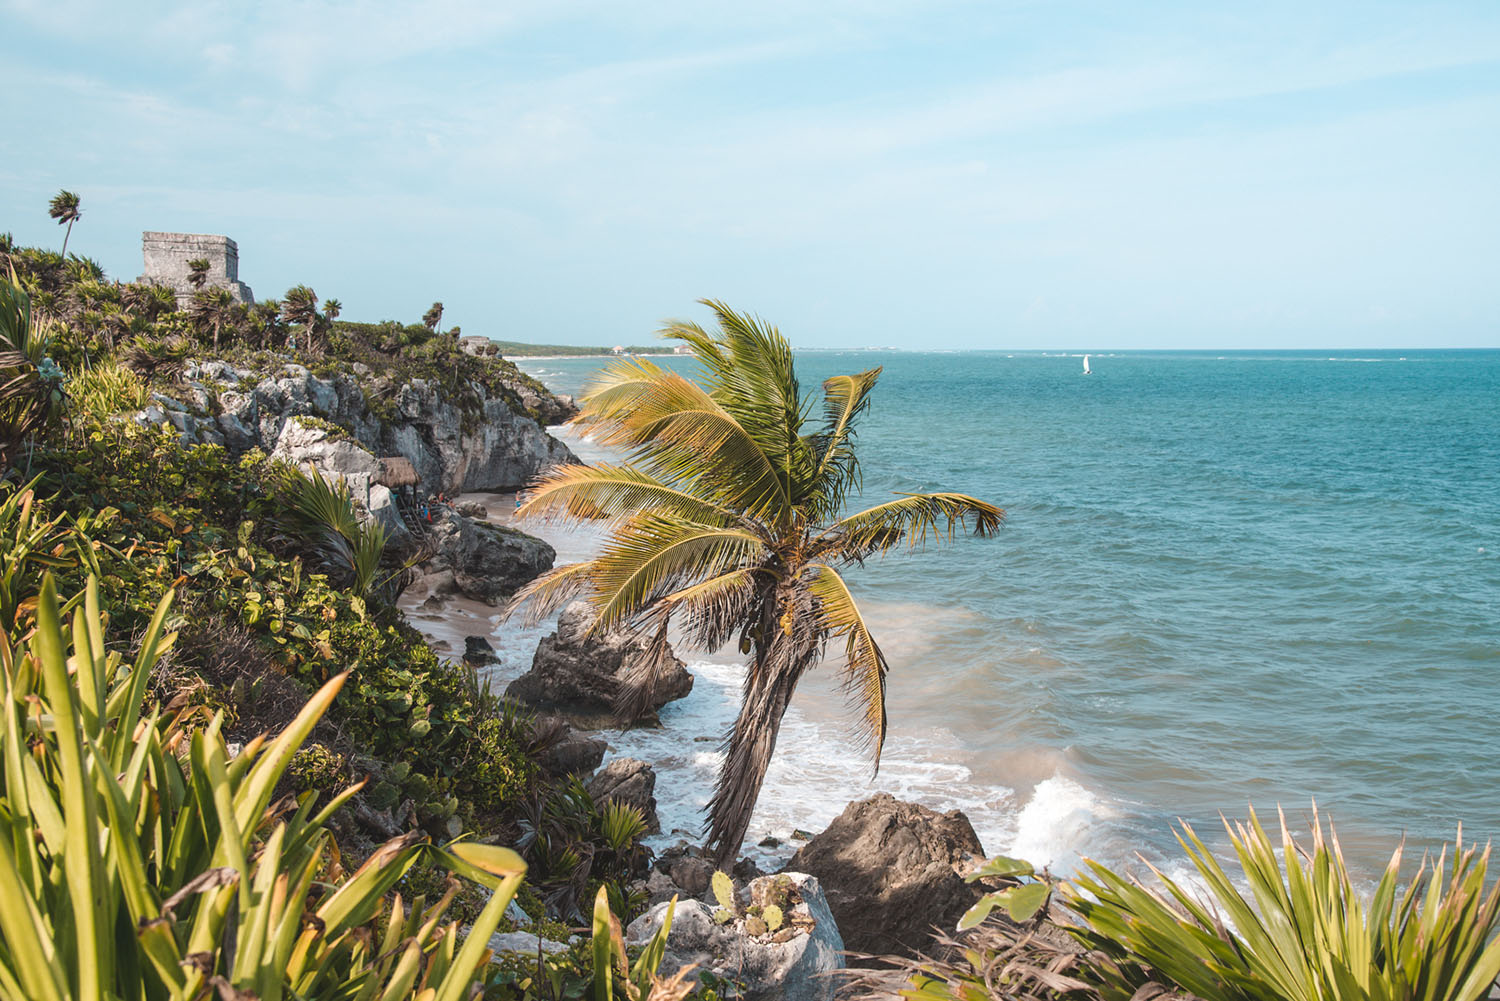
273,590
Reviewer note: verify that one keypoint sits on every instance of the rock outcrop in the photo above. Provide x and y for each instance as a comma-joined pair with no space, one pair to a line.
795,962
893,870
488,444
478,650
580,675
567,751
628,781
482,561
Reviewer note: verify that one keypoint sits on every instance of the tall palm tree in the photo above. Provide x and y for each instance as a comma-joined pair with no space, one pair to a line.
212,310
300,305
64,208
727,519
433,316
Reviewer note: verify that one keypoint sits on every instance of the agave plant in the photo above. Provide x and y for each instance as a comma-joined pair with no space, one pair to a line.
30,385
1304,934
138,859
638,981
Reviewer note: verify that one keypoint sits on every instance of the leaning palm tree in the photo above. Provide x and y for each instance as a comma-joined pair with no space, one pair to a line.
64,208
727,519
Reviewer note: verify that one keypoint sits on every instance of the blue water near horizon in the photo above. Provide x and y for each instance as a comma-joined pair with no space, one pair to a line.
1226,578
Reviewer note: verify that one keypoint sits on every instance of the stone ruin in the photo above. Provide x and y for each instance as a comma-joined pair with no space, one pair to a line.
167,255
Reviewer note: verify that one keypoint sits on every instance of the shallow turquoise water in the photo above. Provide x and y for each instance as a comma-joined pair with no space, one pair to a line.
1225,579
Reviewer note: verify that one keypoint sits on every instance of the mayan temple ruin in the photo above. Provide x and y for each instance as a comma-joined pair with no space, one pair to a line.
166,262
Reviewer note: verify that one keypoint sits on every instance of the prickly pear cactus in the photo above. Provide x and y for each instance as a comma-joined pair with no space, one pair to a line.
755,926
723,917
771,914
724,891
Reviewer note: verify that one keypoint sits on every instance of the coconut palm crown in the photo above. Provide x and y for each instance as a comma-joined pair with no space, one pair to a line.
726,521
64,208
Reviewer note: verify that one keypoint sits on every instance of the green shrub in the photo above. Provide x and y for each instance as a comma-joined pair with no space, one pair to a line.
103,390
1304,934
142,861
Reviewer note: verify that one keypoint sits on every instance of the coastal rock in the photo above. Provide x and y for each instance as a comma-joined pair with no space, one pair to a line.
628,781
488,562
303,444
567,751
523,943
892,870
493,441
798,968
477,650
580,674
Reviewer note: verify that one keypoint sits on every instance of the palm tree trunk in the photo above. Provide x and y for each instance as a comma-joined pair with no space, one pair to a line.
67,234
747,754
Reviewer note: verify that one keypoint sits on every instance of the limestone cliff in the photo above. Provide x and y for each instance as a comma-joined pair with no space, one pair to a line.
484,441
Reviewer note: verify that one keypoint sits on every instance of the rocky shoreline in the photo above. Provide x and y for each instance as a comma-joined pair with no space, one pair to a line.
876,881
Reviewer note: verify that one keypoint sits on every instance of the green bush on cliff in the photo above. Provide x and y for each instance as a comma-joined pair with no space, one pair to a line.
195,518
142,860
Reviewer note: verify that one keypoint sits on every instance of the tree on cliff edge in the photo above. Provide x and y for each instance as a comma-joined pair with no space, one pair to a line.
64,208
726,518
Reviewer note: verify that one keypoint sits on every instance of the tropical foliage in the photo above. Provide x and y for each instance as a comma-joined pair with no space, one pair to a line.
728,519
346,545
1304,933
30,384
140,859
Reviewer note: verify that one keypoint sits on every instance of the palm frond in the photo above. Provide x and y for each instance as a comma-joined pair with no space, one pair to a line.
864,663
911,518
754,379
705,347
713,610
552,590
636,697
680,434
650,556
585,493
845,397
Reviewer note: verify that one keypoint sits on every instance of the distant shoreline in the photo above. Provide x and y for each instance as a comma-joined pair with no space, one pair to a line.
607,354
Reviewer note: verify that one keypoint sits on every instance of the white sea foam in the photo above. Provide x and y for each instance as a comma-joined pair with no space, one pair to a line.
1056,824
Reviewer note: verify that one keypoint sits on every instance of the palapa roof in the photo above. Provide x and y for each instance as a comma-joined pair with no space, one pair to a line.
397,471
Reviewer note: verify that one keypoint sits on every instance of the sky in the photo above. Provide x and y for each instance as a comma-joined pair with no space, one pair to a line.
907,173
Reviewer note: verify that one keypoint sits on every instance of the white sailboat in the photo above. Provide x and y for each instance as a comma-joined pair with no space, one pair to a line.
1086,369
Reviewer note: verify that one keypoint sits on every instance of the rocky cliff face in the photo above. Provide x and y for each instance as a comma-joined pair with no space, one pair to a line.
483,446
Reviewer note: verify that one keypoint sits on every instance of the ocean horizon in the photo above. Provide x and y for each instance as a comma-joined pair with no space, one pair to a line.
1227,579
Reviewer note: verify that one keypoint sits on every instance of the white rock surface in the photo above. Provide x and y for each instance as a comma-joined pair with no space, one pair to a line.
799,969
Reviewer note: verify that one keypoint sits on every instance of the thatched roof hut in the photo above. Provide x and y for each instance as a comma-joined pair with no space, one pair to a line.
397,471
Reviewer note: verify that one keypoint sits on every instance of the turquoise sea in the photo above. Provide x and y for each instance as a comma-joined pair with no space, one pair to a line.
1226,579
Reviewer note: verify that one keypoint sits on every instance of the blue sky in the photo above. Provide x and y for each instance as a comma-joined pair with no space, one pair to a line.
915,174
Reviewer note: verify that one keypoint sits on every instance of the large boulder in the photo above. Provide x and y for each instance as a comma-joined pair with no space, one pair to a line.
795,962
628,781
893,870
488,562
567,751
580,675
